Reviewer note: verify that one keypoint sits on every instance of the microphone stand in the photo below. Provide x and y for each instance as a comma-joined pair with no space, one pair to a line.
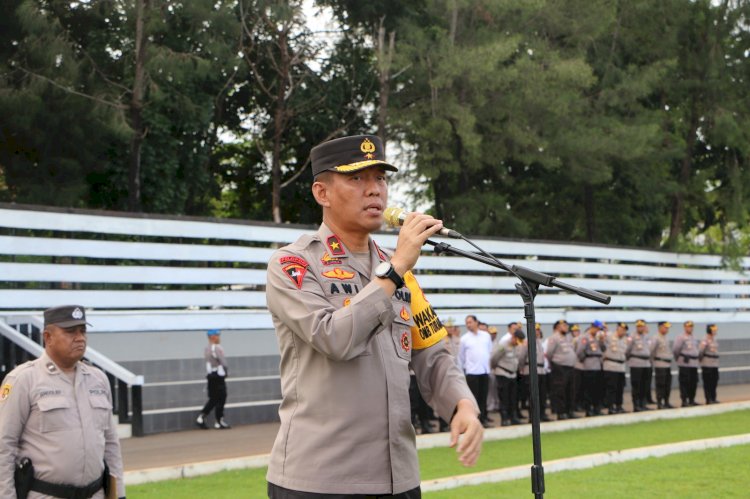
527,288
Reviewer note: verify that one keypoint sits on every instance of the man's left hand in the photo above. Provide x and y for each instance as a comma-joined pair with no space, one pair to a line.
466,424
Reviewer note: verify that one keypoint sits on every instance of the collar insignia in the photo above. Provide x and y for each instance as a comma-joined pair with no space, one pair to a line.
338,273
405,314
335,246
381,255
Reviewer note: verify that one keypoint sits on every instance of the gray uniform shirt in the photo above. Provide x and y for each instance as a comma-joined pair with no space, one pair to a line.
638,351
522,351
560,350
614,353
346,348
215,360
503,359
686,350
709,352
66,428
661,355
589,351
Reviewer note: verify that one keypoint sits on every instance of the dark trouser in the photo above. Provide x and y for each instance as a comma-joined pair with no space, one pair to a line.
276,492
561,381
506,393
522,384
420,411
615,383
710,380
577,393
688,377
478,384
663,377
591,385
640,386
217,395
649,376
542,382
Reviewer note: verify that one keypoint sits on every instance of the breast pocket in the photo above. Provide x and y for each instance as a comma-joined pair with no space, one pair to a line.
57,414
101,411
401,336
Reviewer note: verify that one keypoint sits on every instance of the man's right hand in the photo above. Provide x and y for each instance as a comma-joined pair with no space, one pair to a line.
417,228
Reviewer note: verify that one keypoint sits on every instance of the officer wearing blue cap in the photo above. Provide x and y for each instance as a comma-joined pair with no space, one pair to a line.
216,369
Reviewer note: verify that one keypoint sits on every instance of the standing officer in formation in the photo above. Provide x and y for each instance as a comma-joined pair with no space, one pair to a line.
661,356
590,351
504,364
686,353
562,358
709,358
216,373
638,353
613,368
351,319
575,336
57,433
474,357
523,367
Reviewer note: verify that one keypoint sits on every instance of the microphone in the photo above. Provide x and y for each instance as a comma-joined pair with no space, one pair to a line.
395,216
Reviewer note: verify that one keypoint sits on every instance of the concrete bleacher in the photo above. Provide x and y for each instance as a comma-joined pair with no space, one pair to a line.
154,284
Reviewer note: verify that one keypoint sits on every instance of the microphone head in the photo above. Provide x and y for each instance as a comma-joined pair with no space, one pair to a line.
392,216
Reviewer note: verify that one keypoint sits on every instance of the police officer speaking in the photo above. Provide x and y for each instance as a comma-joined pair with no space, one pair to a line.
57,433
351,320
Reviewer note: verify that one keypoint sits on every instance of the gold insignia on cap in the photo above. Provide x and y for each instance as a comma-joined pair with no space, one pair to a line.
368,148
5,391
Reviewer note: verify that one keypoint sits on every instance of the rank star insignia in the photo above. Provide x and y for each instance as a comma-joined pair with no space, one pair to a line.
334,246
405,343
296,273
5,391
338,273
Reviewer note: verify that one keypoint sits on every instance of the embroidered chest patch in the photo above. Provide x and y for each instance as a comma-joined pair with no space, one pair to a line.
405,343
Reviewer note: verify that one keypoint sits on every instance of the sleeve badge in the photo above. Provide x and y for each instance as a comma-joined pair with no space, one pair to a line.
5,391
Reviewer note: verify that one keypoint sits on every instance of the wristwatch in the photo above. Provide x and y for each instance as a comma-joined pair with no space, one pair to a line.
386,270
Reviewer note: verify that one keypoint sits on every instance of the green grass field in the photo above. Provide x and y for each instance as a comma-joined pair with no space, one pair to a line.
440,462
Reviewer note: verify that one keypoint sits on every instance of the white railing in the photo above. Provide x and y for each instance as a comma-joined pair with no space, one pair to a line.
125,266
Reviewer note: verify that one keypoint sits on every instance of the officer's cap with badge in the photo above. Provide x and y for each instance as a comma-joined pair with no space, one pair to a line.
65,316
349,155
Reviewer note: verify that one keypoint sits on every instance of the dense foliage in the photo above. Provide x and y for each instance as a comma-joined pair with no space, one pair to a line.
611,121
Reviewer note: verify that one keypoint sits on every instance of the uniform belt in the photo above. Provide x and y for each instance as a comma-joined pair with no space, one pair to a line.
614,360
506,370
711,355
662,359
67,491
688,356
593,355
643,357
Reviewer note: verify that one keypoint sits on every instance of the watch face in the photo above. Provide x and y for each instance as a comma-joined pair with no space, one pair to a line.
382,269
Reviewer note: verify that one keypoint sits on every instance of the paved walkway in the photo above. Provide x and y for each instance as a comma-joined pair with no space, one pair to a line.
184,447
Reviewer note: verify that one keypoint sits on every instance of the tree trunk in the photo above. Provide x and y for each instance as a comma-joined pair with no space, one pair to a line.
136,109
279,123
384,63
686,170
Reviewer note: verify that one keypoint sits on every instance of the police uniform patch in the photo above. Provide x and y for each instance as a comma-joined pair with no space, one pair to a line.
296,273
293,259
335,246
338,273
405,314
5,391
329,260
405,343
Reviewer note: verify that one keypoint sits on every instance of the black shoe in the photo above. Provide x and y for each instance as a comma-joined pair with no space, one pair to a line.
620,410
544,418
201,422
486,425
427,429
505,422
562,417
571,415
489,420
693,403
659,406
667,405
516,421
